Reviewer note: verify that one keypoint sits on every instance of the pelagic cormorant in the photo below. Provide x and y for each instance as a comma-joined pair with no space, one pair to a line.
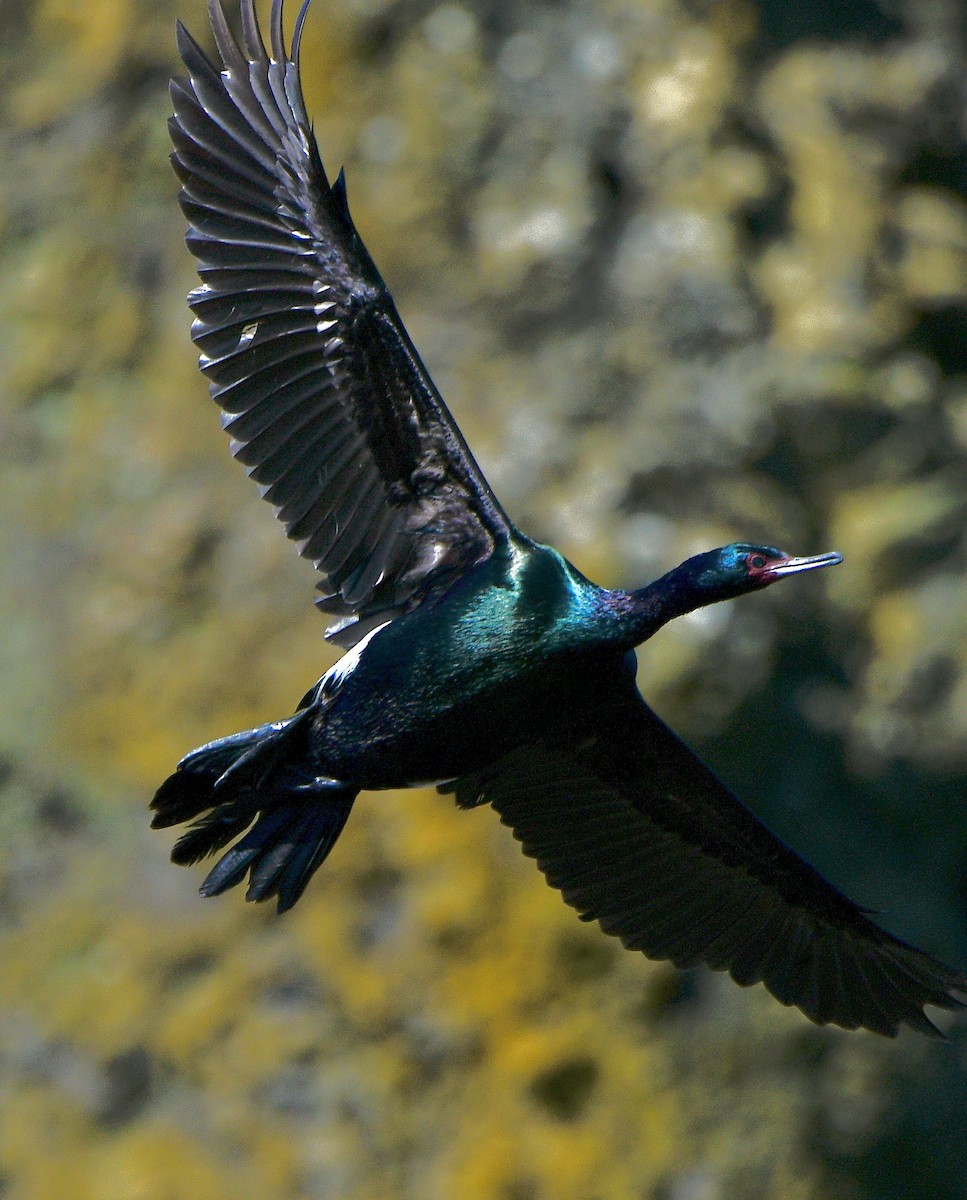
478,660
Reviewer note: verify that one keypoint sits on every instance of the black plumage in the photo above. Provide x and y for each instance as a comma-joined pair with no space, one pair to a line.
478,657
323,394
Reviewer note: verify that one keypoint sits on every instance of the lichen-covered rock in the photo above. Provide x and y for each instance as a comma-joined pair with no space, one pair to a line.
683,275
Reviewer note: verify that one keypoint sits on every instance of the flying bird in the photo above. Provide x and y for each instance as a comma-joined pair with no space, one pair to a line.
477,659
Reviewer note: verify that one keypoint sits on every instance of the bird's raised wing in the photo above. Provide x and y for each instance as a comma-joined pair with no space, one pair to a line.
640,836
325,398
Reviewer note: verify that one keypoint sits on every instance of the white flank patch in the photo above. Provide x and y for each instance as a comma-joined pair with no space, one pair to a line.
339,672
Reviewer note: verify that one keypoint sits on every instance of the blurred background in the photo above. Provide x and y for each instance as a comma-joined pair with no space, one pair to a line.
686,271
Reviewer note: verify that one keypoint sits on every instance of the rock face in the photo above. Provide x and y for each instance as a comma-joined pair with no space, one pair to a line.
685,273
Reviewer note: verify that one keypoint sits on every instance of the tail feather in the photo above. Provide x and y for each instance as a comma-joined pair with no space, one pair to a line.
283,849
215,829
256,776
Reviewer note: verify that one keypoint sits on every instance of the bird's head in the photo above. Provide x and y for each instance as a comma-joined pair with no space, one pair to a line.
741,567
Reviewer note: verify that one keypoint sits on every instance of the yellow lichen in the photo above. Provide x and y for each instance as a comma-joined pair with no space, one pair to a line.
680,287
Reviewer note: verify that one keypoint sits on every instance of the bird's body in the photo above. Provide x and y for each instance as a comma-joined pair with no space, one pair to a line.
472,673
478,660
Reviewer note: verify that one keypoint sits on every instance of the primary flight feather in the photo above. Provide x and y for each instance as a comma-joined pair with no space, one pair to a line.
476,656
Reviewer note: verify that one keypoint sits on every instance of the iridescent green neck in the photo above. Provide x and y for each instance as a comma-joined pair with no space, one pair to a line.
643,612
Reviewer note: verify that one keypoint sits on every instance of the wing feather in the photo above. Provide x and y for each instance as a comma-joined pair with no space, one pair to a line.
641,837
325,398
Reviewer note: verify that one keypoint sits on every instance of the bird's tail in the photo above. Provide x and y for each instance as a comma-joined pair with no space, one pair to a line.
257,776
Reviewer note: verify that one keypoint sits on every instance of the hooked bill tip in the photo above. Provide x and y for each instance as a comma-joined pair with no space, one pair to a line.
791,566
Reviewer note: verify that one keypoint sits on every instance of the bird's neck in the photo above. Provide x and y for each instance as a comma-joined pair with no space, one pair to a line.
643,612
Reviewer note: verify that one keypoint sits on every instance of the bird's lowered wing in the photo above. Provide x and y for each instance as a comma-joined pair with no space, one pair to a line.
640,836
325,398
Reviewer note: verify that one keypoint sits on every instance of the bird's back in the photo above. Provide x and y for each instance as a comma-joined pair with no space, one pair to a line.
515,645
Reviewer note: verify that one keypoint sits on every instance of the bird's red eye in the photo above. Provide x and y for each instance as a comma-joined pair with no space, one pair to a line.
757,560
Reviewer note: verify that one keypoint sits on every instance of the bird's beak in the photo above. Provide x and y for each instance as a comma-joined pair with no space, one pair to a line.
792,566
